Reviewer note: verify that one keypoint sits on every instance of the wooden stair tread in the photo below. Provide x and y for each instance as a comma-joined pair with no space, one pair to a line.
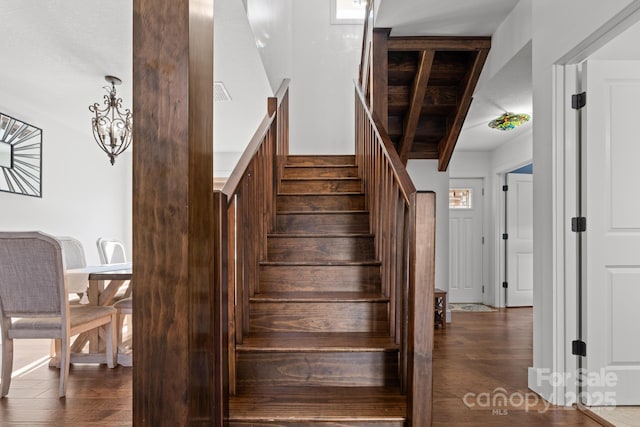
329,193
319,263
324,212
316,342
304,166
319,235
318,297
328,178
300,404
320,159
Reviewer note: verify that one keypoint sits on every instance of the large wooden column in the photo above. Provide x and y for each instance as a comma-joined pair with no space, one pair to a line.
173,221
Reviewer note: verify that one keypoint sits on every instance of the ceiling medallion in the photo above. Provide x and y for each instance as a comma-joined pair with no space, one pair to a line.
509,121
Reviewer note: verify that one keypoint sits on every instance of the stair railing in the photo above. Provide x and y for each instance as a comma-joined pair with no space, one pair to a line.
403,221
248,204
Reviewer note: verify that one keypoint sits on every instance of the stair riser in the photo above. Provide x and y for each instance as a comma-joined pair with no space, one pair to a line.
357,369
323,223
320,171
354,248
321,160
341,278
320,186
318,317
295,423
313,203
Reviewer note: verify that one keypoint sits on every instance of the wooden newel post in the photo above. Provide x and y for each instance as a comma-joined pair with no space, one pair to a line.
174,331
421,309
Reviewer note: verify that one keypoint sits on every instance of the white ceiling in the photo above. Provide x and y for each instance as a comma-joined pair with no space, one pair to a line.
57,58
508,90
56,54
442,17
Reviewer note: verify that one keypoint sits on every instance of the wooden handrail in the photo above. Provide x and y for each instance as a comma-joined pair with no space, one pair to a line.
248,205
403,223
406,184
273,103
366,44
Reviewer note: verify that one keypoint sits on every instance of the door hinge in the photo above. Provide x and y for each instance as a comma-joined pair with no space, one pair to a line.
483,240
579,348
483,289
578,100
505,285
505,188
578,224
505,236
483,191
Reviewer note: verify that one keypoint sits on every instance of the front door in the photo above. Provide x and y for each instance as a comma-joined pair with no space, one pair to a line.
611,242
465,240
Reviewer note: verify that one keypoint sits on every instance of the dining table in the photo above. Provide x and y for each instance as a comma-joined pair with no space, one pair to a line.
98,285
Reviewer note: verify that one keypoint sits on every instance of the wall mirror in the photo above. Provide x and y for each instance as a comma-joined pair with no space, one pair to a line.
20,157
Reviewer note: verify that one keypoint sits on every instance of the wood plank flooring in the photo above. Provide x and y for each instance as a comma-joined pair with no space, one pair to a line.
489,353
477,353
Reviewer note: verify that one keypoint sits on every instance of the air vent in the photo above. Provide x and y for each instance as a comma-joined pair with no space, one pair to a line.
220,92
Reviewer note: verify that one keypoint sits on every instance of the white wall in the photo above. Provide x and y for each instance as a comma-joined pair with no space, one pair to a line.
425,176
553,37
509,39
237,63
82,194
325,61
271,21
46,82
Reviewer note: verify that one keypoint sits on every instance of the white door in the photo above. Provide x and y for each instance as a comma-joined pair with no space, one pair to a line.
520,241
465,240
611,251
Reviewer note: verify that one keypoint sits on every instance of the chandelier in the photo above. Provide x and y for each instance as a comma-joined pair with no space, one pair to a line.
111,125
509,121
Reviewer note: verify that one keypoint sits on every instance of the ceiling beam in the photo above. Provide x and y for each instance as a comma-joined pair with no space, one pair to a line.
449,143
438,43
415,105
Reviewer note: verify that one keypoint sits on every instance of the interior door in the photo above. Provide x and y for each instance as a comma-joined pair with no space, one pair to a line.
611,243
465,240
520,240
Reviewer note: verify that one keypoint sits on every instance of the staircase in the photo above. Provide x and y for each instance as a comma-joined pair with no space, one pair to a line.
319,348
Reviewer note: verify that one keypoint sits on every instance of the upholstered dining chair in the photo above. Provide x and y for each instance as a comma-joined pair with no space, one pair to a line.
111,251
73,252
34,302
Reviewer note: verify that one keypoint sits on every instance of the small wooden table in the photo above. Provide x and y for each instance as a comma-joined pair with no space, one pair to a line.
440,309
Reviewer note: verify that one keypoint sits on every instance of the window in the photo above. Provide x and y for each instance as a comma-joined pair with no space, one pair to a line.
460,198
347,11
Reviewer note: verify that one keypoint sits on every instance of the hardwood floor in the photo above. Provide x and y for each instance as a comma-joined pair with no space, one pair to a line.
477,353
484,355
96,395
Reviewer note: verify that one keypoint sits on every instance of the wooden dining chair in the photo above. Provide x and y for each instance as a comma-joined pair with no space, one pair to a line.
34,302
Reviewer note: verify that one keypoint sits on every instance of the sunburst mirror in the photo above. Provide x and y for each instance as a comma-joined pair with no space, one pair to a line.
20,157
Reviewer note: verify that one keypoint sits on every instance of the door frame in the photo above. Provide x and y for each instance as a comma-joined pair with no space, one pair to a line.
566,82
